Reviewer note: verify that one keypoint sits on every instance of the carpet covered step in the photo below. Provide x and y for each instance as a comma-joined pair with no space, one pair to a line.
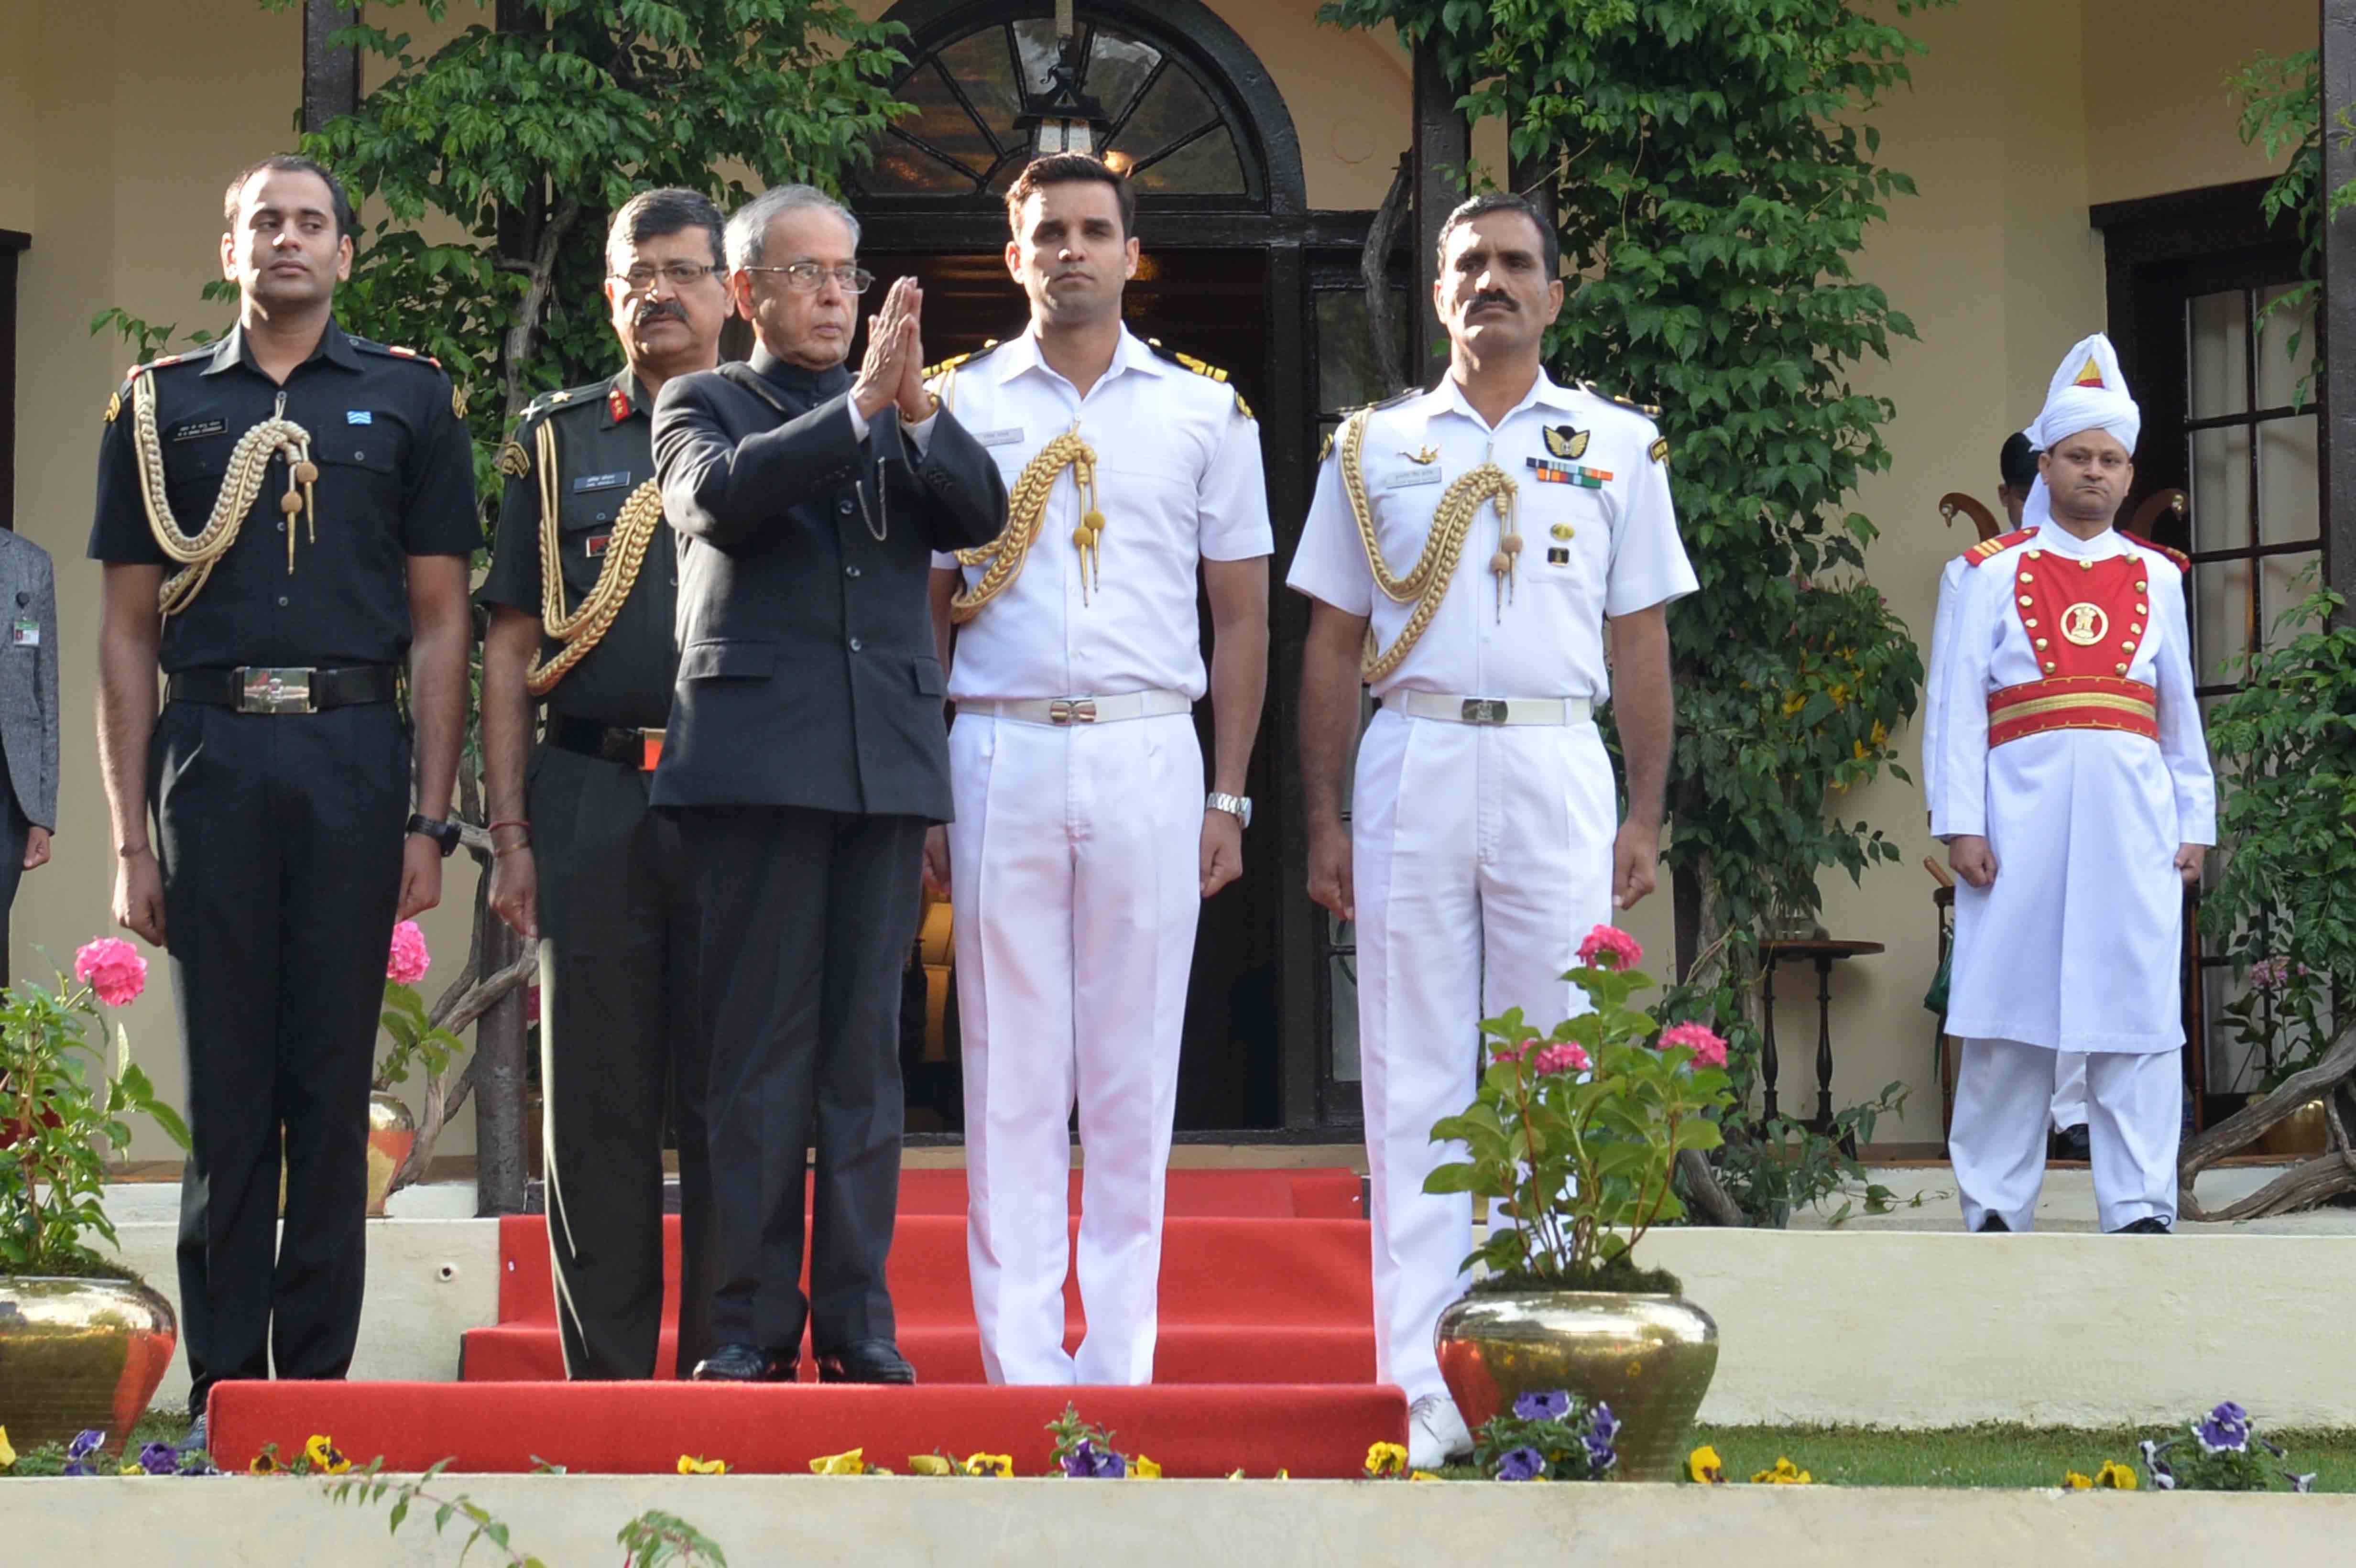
644,1428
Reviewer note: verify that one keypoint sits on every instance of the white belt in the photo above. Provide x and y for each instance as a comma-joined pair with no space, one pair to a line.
1082,710
1491,709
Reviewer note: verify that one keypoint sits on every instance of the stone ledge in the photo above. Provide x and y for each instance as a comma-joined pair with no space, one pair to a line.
571,1520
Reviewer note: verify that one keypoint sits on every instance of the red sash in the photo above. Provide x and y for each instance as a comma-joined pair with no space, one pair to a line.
2072,702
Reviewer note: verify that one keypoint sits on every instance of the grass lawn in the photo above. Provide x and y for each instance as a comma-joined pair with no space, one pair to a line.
1985,1456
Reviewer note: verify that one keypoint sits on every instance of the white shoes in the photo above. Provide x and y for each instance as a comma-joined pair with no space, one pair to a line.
1435,1433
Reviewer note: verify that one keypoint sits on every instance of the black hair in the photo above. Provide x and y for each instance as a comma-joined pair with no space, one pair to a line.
347,221
1063,168
2017,464
670,210
1492,201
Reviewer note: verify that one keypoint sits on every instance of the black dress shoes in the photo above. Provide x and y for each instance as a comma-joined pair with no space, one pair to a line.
866,1361
745,1364
2149,1225
1994,1225
2072,1142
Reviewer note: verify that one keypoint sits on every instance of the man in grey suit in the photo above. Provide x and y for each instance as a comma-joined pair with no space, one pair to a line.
805,758
28,716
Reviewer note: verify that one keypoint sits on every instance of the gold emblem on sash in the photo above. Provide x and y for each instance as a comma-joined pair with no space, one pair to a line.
2085,623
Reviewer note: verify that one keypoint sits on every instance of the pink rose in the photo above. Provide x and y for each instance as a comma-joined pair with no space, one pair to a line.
1567,1057
409,959
1707,1047
112,968
1609,942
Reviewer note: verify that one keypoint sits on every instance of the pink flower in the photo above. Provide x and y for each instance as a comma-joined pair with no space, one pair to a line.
1517,1051
1567,1057
113,969
1609,942
1704,1042
2268,973
409,959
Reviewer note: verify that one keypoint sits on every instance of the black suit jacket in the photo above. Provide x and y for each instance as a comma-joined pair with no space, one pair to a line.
806,676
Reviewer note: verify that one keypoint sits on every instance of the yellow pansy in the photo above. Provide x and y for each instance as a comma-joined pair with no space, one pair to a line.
1784,1474
694,1465
264,1464
1703,1465
851,1462
989,1465
1141,1468
7,1454
2115,1475
929,1465
321,1451
2077,1482
131,1467
1237,1474
1386,1459
1421,1476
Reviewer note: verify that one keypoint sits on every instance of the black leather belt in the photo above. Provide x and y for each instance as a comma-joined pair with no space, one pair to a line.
282,688
606,742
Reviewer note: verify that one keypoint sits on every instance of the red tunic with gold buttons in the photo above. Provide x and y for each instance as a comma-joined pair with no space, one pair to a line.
2072,741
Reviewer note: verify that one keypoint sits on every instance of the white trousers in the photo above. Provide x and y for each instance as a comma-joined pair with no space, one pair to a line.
1482,856
2069,1090
2135,1105
1076,886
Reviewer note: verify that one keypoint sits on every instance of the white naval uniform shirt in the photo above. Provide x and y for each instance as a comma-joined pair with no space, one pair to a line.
1179,481
1622,553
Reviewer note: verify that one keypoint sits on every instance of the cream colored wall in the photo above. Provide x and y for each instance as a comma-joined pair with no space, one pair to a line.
113,145
2157,114
120,122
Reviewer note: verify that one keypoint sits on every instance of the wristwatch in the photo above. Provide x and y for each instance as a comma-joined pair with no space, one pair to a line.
443,833
1235,805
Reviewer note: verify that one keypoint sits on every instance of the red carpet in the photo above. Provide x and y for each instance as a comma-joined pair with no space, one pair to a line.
1264,1280
641,1428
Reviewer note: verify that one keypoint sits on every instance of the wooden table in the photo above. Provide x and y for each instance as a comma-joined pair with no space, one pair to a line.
1824,952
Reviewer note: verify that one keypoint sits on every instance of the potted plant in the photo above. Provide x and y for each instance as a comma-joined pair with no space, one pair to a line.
412,1037
1573,1137
83,1341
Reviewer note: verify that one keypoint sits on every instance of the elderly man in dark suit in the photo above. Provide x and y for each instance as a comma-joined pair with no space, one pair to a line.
805,757
29,717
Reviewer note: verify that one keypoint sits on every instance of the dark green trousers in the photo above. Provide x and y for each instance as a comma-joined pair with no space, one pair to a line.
620,1034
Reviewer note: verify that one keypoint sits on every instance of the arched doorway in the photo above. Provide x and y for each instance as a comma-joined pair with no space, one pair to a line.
1231,275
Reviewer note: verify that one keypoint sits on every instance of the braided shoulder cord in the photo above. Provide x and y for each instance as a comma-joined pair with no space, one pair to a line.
241,484
626,551
1001,559
1427,583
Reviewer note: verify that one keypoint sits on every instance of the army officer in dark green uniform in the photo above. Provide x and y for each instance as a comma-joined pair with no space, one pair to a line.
581,591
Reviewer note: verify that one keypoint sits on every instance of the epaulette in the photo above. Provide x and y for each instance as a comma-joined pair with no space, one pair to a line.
396,351
1650,411
955,361
2183,561
1987,549
115,402
1200,367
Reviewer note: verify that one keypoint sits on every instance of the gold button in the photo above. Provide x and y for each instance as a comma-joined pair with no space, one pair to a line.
2040,642
2085,566
2120,668
2029,621
2128,644
2136,626
2025,578
2024,599
2051,667
2037,554
2138,609
2140,588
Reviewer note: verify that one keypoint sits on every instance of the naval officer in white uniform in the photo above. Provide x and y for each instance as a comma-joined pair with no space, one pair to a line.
2075,793
1084,844
1485,839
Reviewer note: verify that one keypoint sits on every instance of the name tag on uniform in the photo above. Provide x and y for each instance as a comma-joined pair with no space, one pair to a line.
601,481
1406,477
24,634
360,416
201,428
596,543
999,437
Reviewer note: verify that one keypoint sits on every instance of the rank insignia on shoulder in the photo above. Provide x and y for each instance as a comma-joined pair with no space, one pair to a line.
618,404
411,353
1564,442
1427,455
1659,450
514,462
113,406
1986,548
2182,561
1325,447
1649,411
955,360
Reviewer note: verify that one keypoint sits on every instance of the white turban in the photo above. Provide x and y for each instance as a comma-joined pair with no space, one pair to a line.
2087,393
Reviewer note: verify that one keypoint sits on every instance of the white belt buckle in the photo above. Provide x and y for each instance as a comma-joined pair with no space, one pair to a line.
1484,710
1072,710
263,690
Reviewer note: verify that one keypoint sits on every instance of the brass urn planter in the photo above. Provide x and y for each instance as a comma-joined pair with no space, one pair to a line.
1650,1358
79,1354
392,1133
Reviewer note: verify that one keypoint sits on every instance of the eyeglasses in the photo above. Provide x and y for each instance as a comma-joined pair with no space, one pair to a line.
677,274
808,277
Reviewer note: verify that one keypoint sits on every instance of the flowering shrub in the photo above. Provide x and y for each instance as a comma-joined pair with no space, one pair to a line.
2221,1452
410,957
1572,1135
415,1036
61,1113
1550,1436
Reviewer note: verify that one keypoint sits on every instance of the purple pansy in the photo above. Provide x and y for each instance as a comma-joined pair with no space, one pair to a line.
1088,1462
2162,1477
1521,1464
1542,1407
85,1442
1601,1456
1604,1424
159,1459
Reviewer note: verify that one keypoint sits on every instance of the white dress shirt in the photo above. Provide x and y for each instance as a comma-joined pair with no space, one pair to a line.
1605,546
1179,481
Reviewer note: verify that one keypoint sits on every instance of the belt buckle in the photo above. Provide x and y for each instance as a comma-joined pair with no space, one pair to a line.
263,690
1072,710
1484,710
